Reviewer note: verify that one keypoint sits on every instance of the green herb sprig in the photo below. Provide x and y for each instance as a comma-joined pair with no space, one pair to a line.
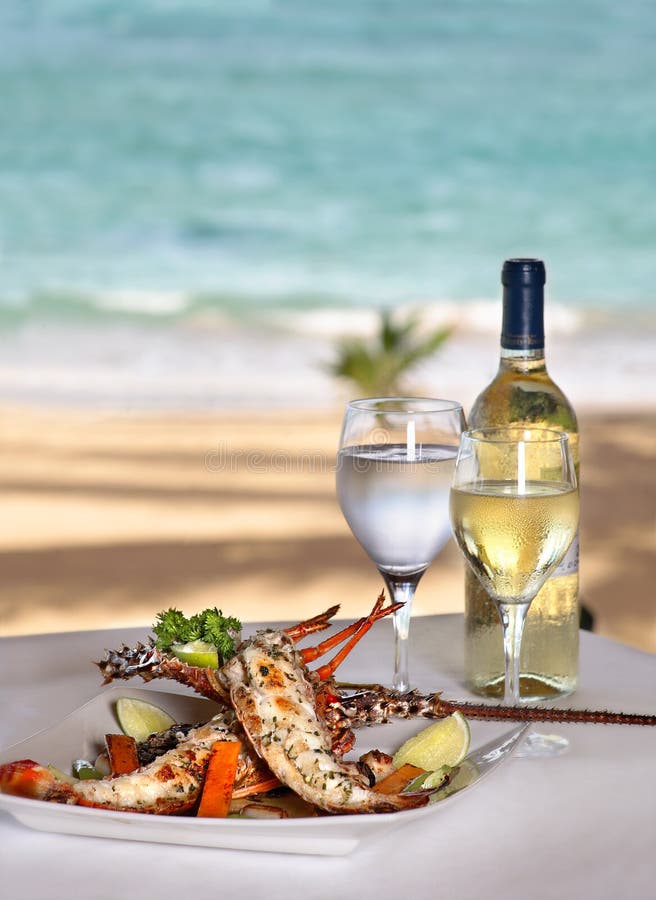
210,625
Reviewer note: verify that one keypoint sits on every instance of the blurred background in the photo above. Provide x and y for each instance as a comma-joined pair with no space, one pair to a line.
200,199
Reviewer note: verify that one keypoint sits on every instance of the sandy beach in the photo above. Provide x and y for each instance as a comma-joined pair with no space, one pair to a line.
110,518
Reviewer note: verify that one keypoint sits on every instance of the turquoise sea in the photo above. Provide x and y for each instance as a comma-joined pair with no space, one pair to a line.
186,161
288,151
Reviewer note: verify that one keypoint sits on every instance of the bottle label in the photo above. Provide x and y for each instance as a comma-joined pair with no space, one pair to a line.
569,564
531,341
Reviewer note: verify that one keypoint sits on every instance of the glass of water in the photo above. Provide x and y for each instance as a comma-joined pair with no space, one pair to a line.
394,470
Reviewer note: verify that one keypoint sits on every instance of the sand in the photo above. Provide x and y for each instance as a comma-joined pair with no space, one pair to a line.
109,518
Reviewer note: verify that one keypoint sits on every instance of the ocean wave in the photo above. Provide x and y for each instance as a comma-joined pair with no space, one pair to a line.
307,315
313,316
143,303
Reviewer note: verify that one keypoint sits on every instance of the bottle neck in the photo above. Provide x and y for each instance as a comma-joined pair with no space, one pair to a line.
522,360
522,329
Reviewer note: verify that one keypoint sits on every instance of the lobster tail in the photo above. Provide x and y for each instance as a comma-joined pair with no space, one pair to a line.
26,778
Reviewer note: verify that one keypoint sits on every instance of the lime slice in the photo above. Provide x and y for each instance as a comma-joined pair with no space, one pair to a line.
444,743
140,719
197,653
436,778
417,783
429,780
83,769
61,776
467,773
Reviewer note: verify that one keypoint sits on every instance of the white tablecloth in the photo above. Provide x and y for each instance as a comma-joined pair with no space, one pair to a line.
581,825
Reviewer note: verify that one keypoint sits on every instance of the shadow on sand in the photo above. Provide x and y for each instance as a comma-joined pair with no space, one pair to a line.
154,575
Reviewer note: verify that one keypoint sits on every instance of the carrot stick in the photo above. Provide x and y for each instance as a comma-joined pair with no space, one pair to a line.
394,783
219,780
122,750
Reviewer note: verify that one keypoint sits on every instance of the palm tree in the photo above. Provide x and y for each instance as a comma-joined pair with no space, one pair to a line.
378,368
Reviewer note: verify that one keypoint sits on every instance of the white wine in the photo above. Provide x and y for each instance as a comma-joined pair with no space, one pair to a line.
522,393
397,507
512,539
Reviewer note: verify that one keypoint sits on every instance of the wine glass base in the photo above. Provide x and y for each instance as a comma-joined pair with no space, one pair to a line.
537,745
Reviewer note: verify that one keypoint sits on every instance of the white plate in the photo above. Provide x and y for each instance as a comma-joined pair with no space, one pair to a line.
81,733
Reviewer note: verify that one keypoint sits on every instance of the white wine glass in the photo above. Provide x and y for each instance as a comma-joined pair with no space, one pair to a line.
514,512
394,469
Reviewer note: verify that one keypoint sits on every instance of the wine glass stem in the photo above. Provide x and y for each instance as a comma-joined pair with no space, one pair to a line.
401,591
513,616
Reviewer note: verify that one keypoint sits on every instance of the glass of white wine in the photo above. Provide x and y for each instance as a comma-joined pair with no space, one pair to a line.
514,512
394,470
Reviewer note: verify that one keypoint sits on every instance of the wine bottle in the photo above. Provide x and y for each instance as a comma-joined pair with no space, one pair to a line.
522,393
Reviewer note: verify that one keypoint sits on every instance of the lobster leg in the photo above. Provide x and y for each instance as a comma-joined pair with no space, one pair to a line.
309,654
309,626
356,632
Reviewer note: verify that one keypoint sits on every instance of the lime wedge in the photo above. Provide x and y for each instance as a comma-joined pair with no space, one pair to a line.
197,653
140,719
445,743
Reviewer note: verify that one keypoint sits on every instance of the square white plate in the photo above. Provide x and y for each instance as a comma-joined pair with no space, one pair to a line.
81,735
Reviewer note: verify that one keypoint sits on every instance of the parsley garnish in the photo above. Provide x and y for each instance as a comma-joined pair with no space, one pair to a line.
211,626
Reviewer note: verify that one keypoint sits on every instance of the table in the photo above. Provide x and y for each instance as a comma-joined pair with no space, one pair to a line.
580,825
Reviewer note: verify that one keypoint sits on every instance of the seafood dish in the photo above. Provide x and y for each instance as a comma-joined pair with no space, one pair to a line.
293,727
271,703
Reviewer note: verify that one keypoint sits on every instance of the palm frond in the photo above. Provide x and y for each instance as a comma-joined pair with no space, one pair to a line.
380,366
